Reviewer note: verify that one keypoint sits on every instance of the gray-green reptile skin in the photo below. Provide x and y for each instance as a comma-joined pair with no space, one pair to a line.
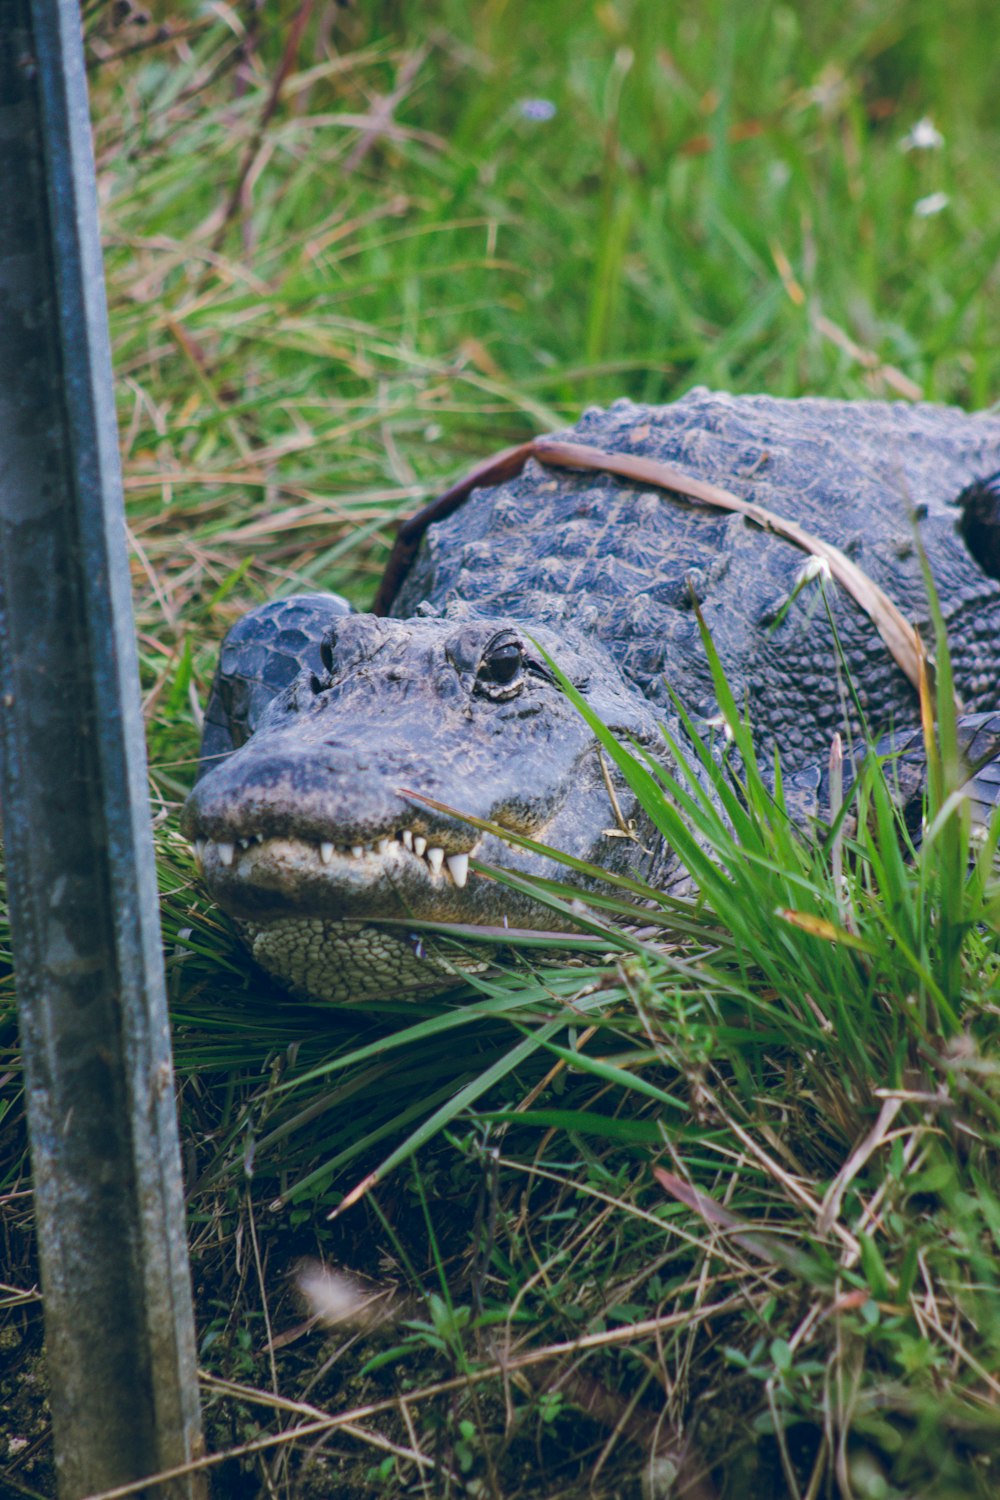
323,723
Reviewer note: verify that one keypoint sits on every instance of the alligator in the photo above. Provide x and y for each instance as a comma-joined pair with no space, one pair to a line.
341,748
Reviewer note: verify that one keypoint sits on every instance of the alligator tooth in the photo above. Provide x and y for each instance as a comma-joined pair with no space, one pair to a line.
199,849
326,852
407,838
458,865
226,852
435,858
357,850
244,843
419,845
381,846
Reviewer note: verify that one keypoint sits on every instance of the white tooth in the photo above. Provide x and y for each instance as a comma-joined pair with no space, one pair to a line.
458,864
357,850
326,852
407,838
199,848
226,852
381,846
419,845
244,843
435,858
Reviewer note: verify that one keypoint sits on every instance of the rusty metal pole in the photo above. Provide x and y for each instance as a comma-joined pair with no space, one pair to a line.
84,915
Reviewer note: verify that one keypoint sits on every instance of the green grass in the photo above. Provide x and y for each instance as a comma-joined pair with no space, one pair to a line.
728,1199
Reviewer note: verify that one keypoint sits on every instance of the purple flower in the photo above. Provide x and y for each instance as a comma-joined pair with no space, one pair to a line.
536,109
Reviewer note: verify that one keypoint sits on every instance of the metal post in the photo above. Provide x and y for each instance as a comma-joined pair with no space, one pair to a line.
105,1159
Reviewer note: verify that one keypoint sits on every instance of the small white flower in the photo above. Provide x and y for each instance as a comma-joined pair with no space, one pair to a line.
926,208
924,136
813,567
719,721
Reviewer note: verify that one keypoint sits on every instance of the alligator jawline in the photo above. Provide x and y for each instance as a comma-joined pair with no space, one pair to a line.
406,856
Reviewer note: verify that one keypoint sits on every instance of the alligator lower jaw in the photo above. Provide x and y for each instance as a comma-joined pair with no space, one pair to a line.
309,913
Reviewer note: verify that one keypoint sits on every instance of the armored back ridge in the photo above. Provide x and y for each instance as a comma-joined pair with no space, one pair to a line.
323,723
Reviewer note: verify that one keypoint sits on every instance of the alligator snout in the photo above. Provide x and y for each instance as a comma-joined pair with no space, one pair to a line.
321,795
326,829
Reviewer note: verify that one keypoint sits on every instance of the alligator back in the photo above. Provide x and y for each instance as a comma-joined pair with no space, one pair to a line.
623,562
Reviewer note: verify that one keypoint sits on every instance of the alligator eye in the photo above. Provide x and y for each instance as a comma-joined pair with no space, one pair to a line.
502,664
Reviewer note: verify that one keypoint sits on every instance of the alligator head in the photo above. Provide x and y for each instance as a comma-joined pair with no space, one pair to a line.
313,832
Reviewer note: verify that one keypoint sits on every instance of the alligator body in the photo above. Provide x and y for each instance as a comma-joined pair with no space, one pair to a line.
326,727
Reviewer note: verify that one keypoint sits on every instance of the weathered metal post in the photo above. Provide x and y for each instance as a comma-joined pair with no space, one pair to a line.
119,1330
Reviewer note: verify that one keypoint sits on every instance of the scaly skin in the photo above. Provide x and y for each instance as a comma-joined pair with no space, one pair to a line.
323,724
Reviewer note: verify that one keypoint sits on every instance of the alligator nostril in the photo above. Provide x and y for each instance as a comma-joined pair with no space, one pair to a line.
315,684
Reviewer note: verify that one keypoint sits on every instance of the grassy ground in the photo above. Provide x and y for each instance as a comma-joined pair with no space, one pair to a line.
728,1206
